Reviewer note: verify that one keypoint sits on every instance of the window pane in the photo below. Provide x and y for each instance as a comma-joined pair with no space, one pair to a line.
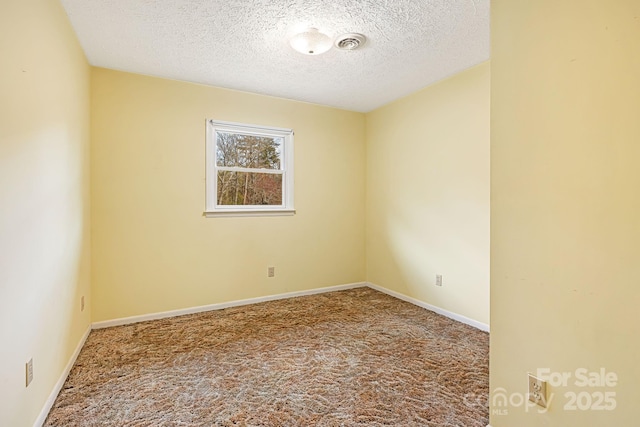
248,188
248,151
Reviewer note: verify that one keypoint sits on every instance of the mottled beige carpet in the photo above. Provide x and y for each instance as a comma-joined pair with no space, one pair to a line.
348,358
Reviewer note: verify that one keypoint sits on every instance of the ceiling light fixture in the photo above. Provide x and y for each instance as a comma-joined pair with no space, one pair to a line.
351,41
311,42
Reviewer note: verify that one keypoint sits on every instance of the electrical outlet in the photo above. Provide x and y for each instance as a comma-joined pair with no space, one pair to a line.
29,372
82,303
271,272
537,391
438,279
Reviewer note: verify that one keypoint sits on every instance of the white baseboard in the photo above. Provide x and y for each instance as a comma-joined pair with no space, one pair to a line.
237,303
220,306
63,377
458,317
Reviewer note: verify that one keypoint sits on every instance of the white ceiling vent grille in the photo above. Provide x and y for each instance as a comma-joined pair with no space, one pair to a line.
351,41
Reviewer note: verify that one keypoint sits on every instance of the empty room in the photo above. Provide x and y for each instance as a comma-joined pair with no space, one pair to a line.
303,213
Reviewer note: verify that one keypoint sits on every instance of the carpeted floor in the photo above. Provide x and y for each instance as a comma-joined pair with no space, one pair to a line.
348,358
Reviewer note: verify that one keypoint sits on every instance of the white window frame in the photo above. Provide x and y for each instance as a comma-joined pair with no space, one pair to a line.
212,209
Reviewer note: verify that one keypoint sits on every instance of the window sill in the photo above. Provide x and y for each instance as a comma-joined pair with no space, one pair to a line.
256,212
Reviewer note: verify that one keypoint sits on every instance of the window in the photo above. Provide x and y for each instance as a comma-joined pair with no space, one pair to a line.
249,170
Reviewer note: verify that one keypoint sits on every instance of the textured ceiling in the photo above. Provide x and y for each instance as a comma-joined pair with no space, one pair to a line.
244,44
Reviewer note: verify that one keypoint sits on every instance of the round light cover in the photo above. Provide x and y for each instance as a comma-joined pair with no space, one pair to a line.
311,42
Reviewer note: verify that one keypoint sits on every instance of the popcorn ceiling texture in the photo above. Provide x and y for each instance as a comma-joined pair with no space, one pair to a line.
350,358
244,44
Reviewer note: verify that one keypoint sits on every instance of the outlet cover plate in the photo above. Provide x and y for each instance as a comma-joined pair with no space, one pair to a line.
537,391
29,372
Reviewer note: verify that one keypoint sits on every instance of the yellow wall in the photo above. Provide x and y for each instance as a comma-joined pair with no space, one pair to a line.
428,195
565,210
44,202
153,250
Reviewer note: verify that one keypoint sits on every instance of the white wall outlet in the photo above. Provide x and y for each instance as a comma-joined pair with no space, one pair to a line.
271,272
82,303
537,391
29,372
438,279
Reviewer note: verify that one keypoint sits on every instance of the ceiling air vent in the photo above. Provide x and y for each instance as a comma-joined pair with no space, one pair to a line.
351,41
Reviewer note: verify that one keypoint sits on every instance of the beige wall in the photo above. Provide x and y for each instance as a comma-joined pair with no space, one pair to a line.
565,210
428,195
153,250
44,202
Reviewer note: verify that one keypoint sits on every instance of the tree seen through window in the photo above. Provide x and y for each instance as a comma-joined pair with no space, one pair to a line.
249,169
